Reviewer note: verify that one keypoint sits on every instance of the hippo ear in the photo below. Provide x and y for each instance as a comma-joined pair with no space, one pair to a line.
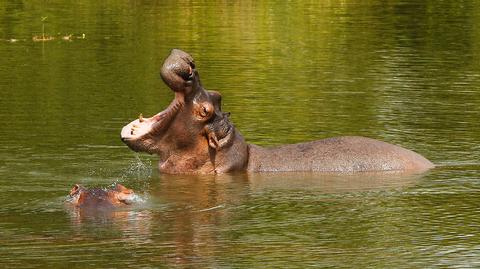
122,189
220,132
219,142
212,140
75,189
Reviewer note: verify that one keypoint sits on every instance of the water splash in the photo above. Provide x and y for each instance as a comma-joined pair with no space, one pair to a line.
136,200
138,168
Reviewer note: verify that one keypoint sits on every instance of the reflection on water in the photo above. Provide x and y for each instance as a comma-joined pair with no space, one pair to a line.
406,72
248,220
334,183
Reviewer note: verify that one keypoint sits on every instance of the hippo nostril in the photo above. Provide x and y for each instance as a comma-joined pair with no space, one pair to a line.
190,77
191,73
187,75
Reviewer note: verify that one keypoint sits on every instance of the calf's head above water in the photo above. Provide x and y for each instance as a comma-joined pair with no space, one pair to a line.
192,135
100,198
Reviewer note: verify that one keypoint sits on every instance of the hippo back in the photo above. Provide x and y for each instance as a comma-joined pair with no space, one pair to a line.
339,154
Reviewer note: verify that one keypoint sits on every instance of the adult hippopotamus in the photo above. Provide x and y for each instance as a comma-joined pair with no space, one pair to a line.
97,198
193,135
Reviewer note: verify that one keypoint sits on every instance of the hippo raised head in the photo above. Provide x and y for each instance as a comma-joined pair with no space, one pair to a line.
100,198
193,135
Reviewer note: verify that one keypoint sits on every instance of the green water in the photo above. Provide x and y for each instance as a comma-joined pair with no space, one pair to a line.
406,72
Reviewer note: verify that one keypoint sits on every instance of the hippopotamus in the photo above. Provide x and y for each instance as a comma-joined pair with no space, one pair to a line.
100,198
194,136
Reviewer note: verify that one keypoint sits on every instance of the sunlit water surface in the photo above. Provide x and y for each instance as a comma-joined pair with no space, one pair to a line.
406,72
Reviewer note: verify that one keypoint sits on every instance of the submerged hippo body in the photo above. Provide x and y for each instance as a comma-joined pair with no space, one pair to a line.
100,198
193,135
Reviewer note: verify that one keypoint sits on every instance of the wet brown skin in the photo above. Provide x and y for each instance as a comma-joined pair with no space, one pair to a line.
100,198
194,136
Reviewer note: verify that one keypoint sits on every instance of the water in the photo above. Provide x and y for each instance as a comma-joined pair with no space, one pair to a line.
406,72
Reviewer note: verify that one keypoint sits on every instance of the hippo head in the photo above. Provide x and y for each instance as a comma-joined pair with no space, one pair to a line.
100,198
192,134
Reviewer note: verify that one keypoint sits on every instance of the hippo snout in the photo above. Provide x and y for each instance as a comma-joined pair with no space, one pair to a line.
178,71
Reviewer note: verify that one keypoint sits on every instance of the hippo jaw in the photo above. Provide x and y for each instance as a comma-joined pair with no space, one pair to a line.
142,134
146,134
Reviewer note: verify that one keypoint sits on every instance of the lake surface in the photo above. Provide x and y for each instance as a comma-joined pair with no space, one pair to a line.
406,72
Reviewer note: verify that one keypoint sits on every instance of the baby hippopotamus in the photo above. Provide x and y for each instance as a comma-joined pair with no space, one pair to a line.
101,198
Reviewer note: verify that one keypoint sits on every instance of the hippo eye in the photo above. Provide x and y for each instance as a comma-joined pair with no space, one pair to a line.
204,112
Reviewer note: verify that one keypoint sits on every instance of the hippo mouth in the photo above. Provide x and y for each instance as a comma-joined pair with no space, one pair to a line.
179,74
139,134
